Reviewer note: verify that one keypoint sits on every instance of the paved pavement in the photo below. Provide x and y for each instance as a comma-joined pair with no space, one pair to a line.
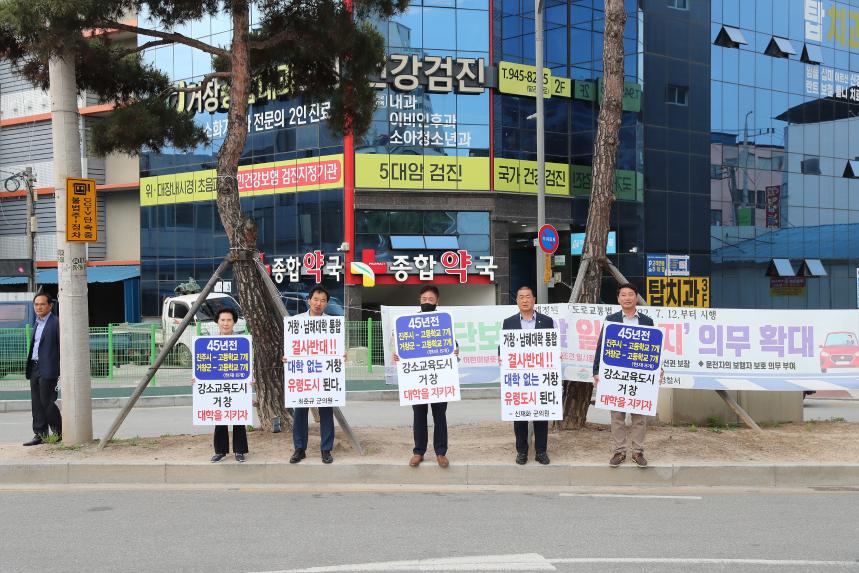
243,530
149,422
153,422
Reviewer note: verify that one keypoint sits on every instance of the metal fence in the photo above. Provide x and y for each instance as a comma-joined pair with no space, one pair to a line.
120,354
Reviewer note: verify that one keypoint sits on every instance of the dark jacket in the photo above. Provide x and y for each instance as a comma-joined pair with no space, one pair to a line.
513,323
643,320
49,350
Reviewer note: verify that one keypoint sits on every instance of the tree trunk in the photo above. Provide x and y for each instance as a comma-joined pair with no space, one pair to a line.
261,315
578,394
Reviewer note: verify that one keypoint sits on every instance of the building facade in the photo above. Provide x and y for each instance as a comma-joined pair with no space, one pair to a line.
735,181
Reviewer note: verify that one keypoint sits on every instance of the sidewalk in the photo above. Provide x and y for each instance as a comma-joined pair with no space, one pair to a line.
170,451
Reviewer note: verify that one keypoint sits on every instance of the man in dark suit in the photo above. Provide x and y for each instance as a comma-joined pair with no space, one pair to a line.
43,371
429,297
627,297
527,319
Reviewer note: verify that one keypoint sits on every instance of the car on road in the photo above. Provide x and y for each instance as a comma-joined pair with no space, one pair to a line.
840,350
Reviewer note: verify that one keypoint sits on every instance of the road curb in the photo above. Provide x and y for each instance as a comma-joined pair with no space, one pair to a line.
274,473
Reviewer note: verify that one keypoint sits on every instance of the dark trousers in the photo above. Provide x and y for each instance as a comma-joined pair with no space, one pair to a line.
439,433
326,428
43,403
222,439
541,436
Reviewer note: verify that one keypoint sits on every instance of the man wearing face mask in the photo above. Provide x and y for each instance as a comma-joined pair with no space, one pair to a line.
429,302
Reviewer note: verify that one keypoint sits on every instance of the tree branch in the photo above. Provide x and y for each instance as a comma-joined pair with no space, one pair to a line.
146,46
270,42
172,36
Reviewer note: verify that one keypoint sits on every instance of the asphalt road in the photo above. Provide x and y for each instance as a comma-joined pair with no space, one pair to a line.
242,531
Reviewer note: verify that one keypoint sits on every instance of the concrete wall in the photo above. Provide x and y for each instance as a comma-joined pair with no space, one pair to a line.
121,169
122,225
678,406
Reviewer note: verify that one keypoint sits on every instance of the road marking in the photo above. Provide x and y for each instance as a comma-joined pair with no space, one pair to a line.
681,561
522,562
641,496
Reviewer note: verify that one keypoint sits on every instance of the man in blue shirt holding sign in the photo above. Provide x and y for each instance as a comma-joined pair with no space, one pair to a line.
627,297
529,319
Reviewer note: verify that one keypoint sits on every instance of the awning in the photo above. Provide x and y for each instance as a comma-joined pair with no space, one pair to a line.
730,37
780,268
780,48
101,274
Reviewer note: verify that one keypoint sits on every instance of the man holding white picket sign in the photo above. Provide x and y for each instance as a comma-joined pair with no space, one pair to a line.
314,349
627,374
531,391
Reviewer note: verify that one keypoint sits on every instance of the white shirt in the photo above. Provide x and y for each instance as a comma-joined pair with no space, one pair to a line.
630,319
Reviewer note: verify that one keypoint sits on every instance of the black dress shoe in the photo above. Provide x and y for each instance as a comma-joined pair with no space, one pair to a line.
521,459
542,457
297,456
218,457
34,442
326,457
240,457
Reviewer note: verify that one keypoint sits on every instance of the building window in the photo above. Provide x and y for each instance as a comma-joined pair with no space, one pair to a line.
810,165
677,95
811,54
678,4
761,202
780,48
730,37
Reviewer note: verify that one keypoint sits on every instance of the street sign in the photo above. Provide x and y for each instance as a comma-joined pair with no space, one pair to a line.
548,239
81,210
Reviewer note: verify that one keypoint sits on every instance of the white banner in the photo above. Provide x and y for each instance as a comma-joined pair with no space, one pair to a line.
314,373
710,349
531,386
427,368
223,372
629,370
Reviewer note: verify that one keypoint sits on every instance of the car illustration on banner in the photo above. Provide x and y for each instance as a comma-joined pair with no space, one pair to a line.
841,350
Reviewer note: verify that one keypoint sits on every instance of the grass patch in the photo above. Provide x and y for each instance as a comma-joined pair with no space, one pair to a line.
770,424
693,428
837,419
250,429
66,448
51,439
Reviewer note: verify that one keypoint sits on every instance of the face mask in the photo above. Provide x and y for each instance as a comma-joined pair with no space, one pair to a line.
427,307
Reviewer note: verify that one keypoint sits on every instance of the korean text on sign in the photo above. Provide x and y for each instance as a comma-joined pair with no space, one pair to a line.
223,372
630,364
531,386
314,373
428,370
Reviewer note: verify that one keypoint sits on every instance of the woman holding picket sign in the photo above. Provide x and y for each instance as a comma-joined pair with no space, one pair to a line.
226,321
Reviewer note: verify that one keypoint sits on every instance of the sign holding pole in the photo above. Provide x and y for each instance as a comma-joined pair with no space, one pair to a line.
630,366
531,375
81,210
428,370
315,367
223,372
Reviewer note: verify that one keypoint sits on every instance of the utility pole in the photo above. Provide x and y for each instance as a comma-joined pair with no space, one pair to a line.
71,259
29,183
542,288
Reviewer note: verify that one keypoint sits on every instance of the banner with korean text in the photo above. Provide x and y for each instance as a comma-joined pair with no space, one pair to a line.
531,386
427,369
314,373
629,369
223,373
712,349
